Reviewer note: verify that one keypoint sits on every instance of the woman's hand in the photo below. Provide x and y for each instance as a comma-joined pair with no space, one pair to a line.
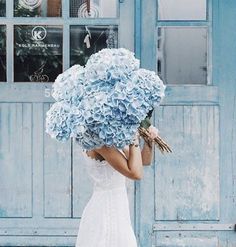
153,131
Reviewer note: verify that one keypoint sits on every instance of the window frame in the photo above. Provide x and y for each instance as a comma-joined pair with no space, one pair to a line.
191,23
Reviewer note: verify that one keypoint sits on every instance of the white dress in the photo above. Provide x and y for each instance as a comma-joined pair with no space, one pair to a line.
105,221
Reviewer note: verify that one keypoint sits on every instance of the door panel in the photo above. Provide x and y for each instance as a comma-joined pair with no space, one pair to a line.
190,175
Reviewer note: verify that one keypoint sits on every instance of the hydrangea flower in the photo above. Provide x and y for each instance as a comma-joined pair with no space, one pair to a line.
111,66
69,86
58,121
104,102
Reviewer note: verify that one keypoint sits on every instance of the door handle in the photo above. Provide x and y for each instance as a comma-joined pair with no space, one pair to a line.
121,1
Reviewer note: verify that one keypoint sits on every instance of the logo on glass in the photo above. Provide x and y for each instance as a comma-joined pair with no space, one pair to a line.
39,33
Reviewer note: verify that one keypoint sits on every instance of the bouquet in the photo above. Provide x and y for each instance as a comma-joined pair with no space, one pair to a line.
104,102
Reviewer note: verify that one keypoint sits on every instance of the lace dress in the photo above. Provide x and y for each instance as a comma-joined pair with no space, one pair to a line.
105,221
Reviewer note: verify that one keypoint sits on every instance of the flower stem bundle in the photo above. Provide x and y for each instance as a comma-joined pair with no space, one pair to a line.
160,143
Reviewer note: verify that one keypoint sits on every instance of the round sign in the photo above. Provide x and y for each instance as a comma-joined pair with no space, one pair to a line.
39,33
83,12
30,4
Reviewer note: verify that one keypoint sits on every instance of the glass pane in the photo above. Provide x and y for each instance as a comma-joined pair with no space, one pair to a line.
2,8
2,53
93,8
37,53
182,55
86,40
37,8
182,9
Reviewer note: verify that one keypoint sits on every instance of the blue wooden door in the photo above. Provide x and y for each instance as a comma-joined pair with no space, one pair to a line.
43,183
188,198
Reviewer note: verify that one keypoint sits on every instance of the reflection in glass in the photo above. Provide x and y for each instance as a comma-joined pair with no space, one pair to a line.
182,55
93,8
2,8
37,8
86,40
37,53
182,9
2,53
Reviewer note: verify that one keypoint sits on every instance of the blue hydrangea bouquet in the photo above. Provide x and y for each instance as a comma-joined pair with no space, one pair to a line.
105,102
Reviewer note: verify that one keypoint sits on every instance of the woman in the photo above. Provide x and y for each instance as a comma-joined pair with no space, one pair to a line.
105,221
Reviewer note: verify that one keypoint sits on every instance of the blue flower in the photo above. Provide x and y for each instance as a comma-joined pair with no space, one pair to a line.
69,86
104,102
57,121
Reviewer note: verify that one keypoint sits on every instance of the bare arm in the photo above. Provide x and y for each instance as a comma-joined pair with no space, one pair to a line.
131,168
147,151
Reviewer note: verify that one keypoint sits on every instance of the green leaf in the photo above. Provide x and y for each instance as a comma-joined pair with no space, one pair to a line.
145,123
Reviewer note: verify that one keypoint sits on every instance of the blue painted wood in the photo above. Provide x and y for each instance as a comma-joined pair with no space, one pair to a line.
36,220
188,242
146,186
15,160
187,94
227,87
82,184
37,157
194,184
57,176
54,186
187,181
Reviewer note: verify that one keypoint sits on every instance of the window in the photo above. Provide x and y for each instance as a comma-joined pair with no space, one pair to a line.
37,53
182,41
37,8
2,8
182,55
93,9
46,39
182,10
85,40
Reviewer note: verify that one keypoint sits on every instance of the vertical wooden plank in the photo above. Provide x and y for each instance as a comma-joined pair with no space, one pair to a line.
145,187
227,89
15,160
165,116
82,184
57,176
37,152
